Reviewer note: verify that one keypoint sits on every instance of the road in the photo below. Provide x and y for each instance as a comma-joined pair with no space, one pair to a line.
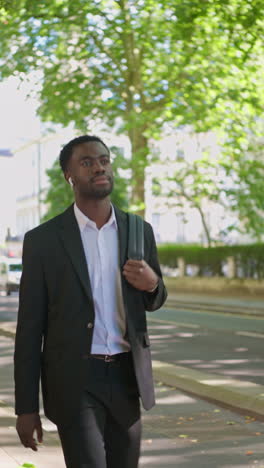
212,320
225,344
8,308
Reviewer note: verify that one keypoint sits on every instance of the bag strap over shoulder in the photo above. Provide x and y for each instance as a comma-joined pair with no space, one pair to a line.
135,237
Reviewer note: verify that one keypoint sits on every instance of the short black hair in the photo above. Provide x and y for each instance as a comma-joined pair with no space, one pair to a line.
66,152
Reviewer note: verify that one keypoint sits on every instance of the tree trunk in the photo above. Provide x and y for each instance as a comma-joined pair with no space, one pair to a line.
195,205
206,229
139,148
135,106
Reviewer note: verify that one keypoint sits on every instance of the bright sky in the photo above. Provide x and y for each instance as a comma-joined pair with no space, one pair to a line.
18,119
18,124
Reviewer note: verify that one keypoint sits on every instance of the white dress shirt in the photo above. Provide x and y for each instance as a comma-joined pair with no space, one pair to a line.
102,257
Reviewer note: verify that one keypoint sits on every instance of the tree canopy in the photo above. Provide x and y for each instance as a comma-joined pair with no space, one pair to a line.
137,64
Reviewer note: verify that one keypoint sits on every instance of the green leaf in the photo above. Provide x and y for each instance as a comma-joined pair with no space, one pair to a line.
27,465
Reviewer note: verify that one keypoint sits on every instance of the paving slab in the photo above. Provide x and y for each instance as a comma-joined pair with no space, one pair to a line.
181,430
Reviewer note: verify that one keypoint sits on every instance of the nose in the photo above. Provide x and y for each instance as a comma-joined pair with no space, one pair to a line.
98,166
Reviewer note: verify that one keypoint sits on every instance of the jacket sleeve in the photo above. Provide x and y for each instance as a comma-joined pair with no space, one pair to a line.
155,300
30,328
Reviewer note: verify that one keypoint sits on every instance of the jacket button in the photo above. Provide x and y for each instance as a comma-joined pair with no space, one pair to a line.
90,325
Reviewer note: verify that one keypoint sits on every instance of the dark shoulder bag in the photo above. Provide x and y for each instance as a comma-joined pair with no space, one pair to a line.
135,237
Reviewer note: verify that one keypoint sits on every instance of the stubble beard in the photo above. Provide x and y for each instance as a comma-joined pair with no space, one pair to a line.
97,193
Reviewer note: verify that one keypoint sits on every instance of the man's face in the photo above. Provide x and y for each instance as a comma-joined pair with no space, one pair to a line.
91,171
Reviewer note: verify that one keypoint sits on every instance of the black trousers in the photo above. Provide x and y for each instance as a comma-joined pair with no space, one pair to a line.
107,431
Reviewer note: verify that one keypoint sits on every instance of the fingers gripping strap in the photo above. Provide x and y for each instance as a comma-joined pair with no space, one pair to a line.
135,237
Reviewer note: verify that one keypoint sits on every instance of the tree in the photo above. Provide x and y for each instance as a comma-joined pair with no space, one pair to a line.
194,185
231,180
244,195
138,62
60,195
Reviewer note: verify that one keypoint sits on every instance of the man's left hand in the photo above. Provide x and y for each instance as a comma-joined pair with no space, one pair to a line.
140,275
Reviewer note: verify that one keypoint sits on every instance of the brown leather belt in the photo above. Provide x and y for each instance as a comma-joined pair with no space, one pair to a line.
108,357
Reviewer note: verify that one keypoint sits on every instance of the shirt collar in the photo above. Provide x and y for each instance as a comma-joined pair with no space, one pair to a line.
84,221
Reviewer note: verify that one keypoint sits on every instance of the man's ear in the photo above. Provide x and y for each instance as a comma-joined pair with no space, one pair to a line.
67,177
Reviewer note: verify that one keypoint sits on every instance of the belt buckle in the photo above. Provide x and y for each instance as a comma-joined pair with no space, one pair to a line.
108,358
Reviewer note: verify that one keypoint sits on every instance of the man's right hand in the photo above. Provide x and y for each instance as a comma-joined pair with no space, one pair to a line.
26,425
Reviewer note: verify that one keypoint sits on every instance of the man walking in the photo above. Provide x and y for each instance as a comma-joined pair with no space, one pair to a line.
82,322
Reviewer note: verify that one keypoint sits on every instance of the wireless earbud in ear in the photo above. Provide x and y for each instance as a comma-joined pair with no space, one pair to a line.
70,181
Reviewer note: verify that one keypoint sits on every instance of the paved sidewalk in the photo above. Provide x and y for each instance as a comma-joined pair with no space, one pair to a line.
180,430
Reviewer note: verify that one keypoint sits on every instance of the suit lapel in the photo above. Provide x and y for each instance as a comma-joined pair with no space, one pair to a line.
71,238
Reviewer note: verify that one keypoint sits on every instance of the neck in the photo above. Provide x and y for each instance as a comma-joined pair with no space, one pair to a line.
98,211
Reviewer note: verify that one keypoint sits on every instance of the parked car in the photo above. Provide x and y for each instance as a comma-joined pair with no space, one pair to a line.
10,274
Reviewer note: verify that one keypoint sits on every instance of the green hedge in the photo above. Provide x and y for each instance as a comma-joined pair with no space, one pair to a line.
212,260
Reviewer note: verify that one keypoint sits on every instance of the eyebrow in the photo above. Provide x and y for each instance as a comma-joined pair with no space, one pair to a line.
82,157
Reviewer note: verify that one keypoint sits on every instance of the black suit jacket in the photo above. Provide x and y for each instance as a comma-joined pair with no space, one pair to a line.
56,313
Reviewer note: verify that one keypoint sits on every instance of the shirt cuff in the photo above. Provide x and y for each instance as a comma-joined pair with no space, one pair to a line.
154,289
